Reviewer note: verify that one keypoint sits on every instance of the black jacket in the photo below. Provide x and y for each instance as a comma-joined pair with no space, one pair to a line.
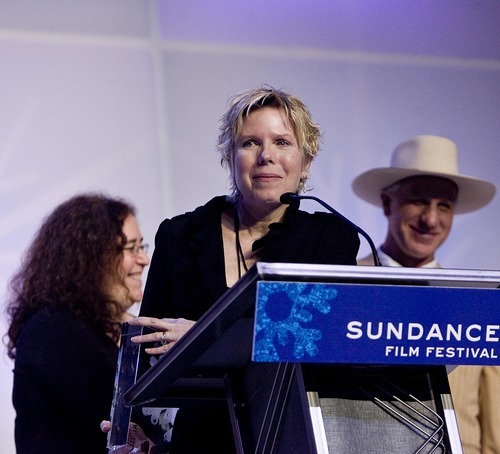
63,384
187,276
187,272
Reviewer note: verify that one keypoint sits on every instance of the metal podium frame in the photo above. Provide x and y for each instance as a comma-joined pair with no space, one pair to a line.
272,406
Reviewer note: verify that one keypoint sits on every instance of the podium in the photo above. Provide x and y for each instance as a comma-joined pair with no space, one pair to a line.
320,358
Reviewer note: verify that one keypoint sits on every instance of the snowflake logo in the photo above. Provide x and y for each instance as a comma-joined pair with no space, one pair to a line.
284,310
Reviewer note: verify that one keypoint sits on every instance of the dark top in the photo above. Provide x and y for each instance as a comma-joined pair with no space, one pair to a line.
63,385
187,276
187,272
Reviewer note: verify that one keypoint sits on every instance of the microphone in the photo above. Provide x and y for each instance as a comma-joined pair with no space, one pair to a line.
289,197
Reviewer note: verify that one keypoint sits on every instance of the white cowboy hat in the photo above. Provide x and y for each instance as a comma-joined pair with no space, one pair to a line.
425,155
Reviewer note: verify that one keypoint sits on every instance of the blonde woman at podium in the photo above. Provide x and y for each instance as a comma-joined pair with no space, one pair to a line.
420,193
267,142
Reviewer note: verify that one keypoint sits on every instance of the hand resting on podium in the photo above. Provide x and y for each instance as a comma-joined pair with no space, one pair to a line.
167,331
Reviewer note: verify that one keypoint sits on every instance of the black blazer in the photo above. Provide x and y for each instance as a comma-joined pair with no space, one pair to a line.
187,276
187,272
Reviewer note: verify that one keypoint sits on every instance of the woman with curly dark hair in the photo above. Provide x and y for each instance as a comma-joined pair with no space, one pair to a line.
79,277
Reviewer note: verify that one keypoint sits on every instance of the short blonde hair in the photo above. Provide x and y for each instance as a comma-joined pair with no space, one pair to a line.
244,103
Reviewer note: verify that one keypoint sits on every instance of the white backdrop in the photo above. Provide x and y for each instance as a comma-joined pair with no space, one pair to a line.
124,96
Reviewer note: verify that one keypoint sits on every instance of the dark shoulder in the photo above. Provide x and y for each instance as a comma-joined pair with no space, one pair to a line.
55,328
54,317
212,209
321,220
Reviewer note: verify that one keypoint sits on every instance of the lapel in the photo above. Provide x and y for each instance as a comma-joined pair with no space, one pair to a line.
207,248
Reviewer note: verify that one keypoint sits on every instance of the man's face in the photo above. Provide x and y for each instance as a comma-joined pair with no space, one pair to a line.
420,214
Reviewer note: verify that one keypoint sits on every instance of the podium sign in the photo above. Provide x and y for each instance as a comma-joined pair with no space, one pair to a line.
376,324
341,320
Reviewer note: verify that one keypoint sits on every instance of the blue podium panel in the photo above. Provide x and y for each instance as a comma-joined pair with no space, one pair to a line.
376,324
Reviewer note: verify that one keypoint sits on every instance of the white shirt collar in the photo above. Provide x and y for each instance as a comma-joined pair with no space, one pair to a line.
385,260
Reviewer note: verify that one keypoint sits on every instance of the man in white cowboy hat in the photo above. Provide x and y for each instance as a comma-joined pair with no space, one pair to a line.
420,193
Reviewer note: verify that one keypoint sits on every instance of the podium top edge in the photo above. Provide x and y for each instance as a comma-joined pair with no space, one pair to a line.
290,270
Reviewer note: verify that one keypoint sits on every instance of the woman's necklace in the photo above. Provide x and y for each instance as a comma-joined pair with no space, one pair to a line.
239,251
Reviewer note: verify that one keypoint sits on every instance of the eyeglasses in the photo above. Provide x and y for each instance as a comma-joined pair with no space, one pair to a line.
136,248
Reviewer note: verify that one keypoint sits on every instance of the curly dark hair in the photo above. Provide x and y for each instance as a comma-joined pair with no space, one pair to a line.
74,256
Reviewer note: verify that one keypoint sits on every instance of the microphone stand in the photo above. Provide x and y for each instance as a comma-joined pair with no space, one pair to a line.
288,197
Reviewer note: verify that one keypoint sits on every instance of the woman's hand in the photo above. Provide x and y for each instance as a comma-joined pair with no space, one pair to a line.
167,331
137,441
